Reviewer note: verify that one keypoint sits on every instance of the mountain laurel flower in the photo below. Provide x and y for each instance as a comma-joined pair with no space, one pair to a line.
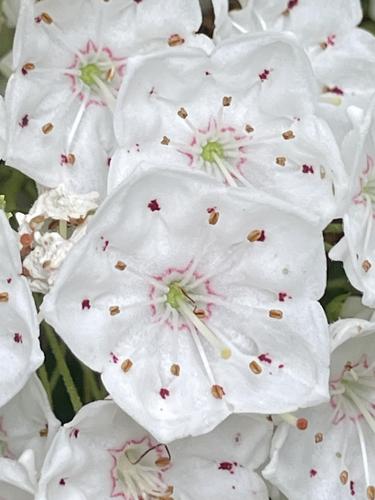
187,298
70,59
27,428
20,353
105,453
235,129
328,33
56,221
357,248
335,456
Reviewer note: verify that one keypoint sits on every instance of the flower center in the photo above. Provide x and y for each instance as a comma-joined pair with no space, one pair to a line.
175,295
89,72
139,472
211,151
369,189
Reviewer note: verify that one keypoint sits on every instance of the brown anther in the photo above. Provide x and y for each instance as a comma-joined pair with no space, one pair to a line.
168,493
217,391
165,140
281,160
285,12
113,310
37,220
126,365
182,113
44,432
110,74
348,366
318,437
288,135
227,101
46,18
175,370
4,296
47,128
214,217
323,45
120,265
366,265
254,235
322,172
371,492
275,313
76,222
28,67
200,313
302,424
344,476
162,462
71,159
26,239
46,264
175,40
25,271
255,368
249,128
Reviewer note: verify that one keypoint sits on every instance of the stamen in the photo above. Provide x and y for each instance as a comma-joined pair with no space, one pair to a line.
299,423
126,365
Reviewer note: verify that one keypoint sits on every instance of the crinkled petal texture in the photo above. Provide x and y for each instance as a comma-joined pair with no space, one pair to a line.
223,114
334,457
88,456
20,353
179,285
67,77
357,248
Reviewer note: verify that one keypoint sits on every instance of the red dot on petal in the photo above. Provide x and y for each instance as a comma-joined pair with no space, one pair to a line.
85,304
164,393
313,472
154,205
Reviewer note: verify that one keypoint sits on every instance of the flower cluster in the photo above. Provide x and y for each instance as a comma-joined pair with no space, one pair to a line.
189,190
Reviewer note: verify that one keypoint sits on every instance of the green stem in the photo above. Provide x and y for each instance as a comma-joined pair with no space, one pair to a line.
43,375
91,383
63,367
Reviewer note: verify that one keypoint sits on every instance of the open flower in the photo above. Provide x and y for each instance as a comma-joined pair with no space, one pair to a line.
188,297
70,60
27,427
20,353
235,129
334,457
357,248
328,33
104,453
56,221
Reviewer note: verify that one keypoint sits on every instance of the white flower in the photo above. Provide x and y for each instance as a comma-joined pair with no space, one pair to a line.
70,59
243,115
20,353
187,297
357,248
56,221
334,458
104,454
27,427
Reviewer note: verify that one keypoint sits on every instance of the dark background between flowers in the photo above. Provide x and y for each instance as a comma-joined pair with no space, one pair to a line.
20,192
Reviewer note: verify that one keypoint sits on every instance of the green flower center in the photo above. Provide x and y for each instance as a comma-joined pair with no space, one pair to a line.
89,72
212,150
175,295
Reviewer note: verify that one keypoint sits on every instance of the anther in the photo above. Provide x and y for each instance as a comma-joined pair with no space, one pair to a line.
120,265
322,172
182,113
175,40
27,67
275,313
254,235
200,313
126,365
44,432
113,310
255,368
249,128
281,160
344,476
110,74
217,391
371,492
71,159
4,297
302,424
175,370
26,240
165,141
318,437
46,18
162,462
288,135
366,265
47,128
323,45
227,100
214,217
